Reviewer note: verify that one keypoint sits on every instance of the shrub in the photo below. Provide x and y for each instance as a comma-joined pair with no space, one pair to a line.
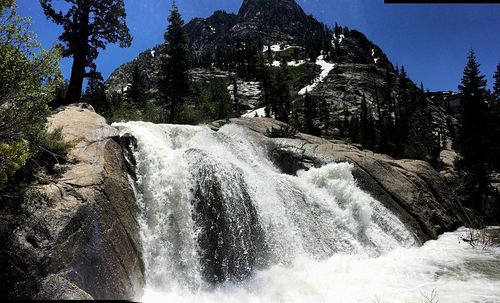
12,158
285,131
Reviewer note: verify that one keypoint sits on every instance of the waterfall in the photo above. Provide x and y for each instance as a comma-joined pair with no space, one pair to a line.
220,221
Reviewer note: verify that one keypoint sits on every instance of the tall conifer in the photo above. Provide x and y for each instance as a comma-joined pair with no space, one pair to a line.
472,141
174,83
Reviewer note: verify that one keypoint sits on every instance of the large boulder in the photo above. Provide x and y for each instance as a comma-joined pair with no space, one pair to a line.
411,189
80,238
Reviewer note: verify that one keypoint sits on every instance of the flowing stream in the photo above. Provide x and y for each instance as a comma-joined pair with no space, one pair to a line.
221,223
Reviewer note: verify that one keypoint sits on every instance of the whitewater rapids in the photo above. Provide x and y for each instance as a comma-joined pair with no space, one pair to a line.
221,223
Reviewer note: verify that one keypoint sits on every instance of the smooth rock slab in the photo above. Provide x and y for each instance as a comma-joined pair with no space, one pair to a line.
80,239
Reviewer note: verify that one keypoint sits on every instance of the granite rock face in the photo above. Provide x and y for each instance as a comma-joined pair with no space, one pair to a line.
411,189
80,238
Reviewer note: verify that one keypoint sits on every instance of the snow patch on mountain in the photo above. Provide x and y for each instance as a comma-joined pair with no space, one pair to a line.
259,112
341,38
293,63
274,48
296,63
279,48
326,68
375,59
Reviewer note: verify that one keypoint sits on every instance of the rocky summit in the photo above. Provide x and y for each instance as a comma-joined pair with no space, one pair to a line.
280,25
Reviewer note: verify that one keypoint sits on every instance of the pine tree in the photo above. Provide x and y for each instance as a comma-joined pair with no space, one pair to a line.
472,142
385,122
337,30
295,121
269,54
136,93
60,94
403,110
495,121
265,83
281,96
219,96
496,85
236,98
174,84
309,115
88,26
422,142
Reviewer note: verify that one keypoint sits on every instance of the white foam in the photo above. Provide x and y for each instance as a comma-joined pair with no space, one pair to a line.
328,241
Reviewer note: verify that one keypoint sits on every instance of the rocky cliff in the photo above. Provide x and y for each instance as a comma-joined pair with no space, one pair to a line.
80,236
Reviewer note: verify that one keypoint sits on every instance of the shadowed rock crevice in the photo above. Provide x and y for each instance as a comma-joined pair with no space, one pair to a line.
231,239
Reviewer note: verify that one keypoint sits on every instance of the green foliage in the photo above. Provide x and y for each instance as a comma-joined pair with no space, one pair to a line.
494,130
136,93
285,131
496,84
310,114
28,75
12,157
219,97
60,94
87,27
422,140
213,103
302,75
290,54
5,3
50,144
129,112
126,113
281,96
174,84
95,95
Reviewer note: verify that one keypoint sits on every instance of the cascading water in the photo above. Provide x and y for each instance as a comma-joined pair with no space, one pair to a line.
221,223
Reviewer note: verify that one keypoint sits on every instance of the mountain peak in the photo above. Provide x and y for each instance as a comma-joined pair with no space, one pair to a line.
256,10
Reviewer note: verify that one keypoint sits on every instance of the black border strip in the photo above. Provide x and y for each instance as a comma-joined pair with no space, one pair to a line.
441,2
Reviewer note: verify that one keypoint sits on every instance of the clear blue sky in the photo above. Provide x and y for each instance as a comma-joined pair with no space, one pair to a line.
431,41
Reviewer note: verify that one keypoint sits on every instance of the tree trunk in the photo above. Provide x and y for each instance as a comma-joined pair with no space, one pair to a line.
76,82
81,50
